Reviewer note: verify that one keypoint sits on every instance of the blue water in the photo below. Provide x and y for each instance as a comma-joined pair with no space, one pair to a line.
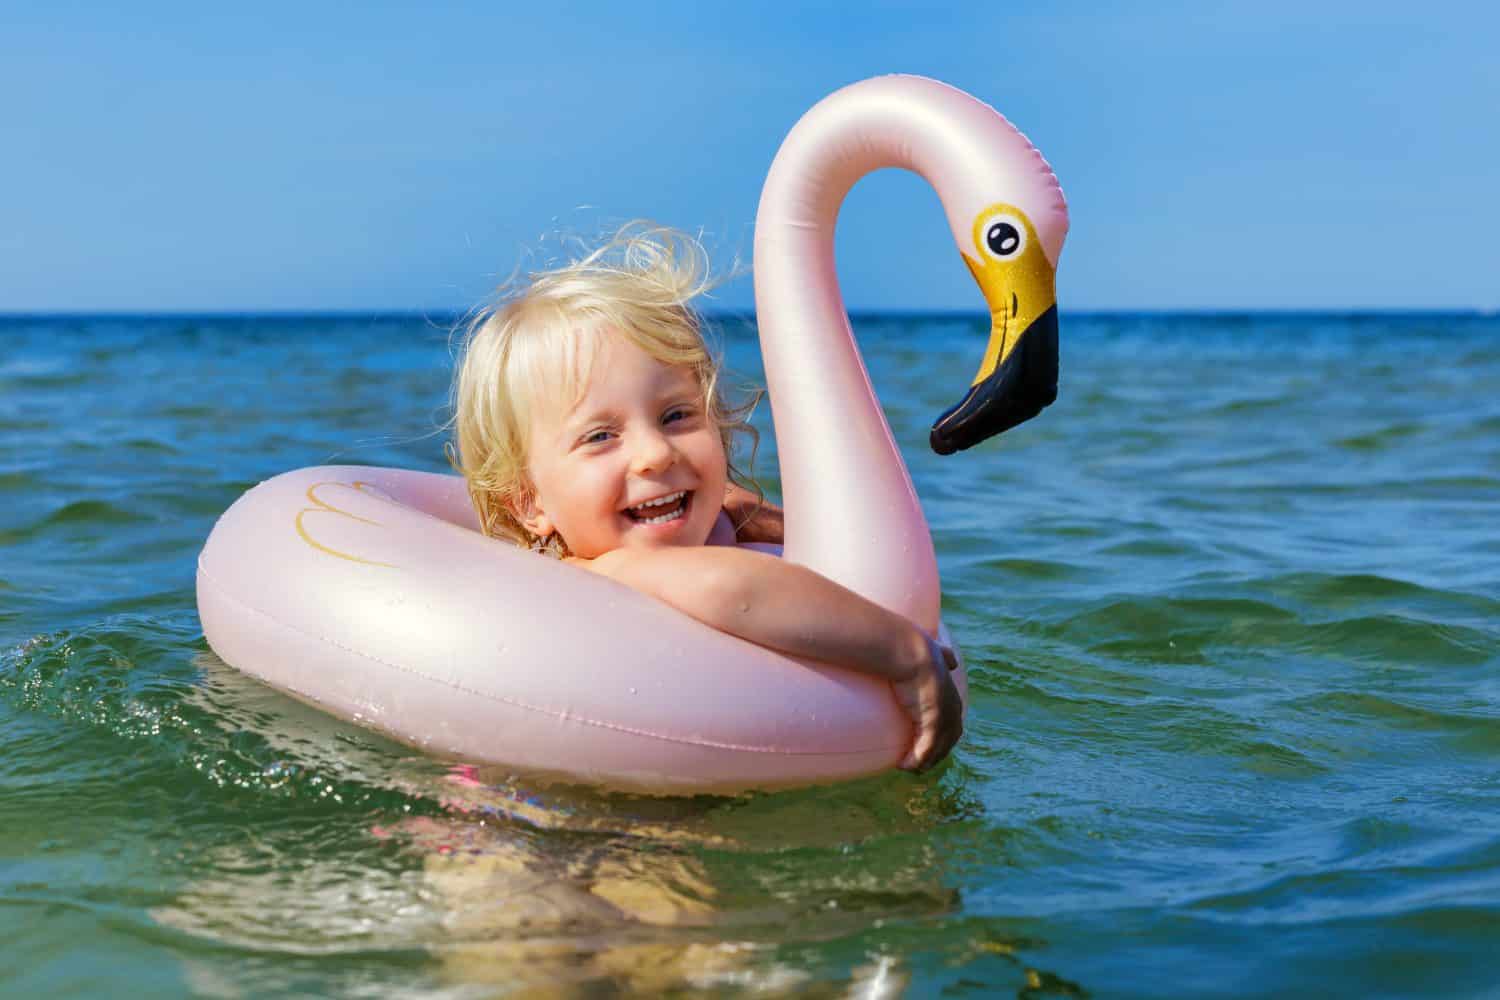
1231,609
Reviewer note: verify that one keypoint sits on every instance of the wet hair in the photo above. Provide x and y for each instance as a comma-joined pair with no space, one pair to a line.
534,344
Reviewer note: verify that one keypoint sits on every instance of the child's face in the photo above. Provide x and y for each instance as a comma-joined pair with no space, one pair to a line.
640,433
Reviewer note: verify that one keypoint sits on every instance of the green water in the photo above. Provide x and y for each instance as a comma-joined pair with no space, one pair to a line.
1231,609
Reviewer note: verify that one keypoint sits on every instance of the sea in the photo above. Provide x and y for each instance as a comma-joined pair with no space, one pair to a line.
1230,608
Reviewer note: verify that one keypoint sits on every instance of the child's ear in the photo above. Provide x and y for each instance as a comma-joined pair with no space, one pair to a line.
531,515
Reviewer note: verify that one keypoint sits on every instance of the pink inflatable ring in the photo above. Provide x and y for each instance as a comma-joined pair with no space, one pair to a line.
370,592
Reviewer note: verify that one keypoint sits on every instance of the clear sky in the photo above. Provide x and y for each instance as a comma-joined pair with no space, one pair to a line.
1259,154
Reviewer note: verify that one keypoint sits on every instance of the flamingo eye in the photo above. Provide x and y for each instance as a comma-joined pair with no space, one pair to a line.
1004,236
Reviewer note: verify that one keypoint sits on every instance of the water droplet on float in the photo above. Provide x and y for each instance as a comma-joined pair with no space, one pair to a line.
632,690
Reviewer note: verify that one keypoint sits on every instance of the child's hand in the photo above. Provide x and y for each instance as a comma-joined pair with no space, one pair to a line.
931,700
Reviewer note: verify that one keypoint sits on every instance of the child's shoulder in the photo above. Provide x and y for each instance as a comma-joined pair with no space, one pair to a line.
722,532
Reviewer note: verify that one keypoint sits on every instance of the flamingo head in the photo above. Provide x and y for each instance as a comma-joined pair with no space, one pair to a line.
1018,376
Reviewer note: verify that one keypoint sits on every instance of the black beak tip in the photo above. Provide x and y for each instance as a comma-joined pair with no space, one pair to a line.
998,418
1017,391
942,444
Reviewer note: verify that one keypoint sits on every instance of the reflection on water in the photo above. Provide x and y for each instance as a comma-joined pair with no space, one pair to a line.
546,891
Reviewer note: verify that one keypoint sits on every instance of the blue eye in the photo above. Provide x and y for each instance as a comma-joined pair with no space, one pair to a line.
595,437
675,414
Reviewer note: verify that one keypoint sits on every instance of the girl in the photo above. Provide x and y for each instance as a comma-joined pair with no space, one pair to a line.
590,427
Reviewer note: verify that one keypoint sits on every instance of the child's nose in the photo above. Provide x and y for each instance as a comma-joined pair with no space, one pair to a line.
653,453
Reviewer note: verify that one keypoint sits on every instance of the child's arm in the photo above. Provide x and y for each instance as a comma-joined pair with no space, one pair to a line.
792,609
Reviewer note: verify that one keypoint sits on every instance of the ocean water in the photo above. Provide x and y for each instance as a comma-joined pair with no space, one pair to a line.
1231,609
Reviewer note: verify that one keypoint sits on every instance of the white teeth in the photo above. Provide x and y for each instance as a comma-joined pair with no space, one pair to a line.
671,500
661,501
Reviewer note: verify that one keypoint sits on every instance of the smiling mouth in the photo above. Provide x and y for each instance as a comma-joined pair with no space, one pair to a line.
662,510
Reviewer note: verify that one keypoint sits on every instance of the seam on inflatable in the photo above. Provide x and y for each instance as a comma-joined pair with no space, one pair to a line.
516,703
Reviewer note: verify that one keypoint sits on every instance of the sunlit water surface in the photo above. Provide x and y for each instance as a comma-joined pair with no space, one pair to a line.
1231,609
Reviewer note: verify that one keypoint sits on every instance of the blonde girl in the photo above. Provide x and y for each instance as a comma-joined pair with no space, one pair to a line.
590,425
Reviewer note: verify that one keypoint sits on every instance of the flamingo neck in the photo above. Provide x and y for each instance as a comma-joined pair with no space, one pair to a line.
851,512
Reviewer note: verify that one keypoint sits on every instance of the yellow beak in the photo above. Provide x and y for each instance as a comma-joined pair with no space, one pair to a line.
1018,375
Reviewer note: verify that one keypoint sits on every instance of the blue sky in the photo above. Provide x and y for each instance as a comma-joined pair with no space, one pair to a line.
286,156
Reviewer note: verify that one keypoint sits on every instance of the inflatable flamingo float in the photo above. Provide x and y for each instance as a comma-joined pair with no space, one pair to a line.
371,593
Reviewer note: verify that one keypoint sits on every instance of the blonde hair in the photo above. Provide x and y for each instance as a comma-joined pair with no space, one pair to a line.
536,340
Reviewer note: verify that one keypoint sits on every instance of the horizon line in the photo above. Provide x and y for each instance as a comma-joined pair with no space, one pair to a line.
452,315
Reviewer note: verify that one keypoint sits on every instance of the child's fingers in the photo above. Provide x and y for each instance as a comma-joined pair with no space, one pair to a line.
932,748
921,751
